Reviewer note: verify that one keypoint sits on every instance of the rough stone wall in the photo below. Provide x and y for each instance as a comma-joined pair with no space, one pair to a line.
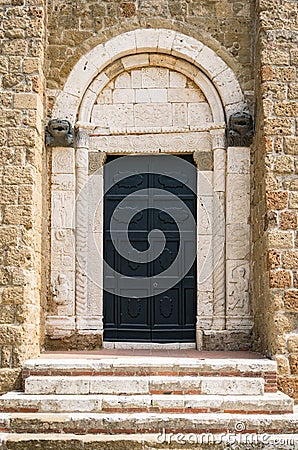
275,200
21,138
74,27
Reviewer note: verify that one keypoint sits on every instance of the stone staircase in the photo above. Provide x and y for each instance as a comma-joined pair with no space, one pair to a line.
138,402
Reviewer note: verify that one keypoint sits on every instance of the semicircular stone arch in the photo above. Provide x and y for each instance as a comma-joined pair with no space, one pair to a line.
184,53
156,85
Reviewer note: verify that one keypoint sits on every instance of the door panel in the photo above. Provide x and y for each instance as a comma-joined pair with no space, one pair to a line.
147,315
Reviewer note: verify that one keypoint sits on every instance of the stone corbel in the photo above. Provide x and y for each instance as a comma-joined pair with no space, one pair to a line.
59,133
240,132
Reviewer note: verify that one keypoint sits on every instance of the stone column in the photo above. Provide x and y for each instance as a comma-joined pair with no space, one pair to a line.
82,146
205,293
93,321
219,186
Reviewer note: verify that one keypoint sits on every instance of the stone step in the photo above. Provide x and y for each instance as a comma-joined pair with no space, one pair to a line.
143,385
277,403
132,423
150,365
169,366
163,440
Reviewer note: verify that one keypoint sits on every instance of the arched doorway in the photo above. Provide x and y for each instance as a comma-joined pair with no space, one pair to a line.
155,92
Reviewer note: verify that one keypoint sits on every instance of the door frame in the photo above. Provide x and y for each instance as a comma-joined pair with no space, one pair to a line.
219,319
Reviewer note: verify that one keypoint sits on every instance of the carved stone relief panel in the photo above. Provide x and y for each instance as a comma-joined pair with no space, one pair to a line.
60,321
205,310
239,314
63,209
238,239
172,143
63,246
238,198
63,160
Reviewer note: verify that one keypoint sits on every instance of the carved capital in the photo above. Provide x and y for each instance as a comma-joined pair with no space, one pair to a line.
218,138
203,160
82,137
95,161
195,156
59,133
240,132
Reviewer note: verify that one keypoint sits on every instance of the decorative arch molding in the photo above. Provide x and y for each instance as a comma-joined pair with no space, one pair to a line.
216,76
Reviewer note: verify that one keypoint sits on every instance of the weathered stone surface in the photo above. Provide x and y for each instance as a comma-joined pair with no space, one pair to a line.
277,200
283,366
280,239
280,279
274,259
288,220
291,300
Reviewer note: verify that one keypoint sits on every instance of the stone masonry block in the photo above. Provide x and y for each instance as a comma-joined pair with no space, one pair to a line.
283,366
290,259
280,239
293,343
278,127
283,164
288,220
15,47
26,101
8,195
24,136
293,202
18,175
280,278
274,259
294,364
18,215
291,300
286,109
276,200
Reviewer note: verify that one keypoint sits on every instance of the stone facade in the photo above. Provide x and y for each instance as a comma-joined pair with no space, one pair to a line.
79,82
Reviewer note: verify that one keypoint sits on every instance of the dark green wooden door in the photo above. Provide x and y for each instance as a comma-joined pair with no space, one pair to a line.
140,315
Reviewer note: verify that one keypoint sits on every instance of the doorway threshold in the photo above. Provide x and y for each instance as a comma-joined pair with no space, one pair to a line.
148,345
